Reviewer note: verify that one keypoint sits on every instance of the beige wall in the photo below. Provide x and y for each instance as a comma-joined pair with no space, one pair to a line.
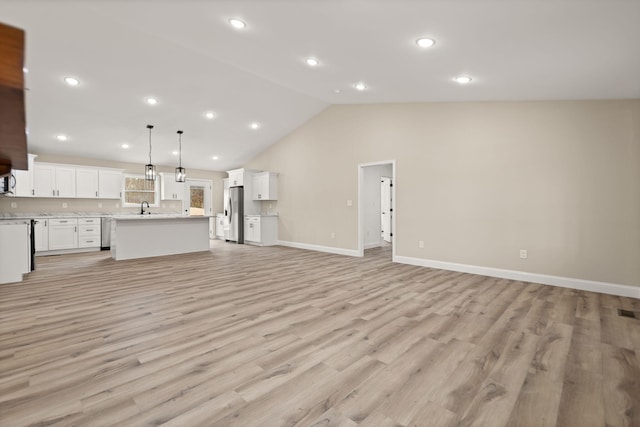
38,205
477,182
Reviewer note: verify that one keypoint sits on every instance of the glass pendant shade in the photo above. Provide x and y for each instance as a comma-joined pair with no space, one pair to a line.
150,172
150,169
181,173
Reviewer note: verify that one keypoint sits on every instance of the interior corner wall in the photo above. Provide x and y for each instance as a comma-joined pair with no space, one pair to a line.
477,182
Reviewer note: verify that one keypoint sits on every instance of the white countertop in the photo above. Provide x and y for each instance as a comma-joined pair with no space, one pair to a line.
156,216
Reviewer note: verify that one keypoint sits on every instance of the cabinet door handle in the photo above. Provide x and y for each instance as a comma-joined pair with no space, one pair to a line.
58,191
96,194
63,222
89,229
75,229
45,222
88,241
33,192
54,192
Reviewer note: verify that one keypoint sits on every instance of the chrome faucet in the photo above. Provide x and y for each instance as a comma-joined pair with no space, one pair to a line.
142,207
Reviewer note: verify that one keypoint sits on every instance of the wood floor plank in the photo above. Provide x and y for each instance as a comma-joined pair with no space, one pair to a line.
273,337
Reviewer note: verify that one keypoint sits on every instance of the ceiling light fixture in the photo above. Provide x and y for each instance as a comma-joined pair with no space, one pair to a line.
150,169
151,101
337,91
463,79
71,81
25,70
425,42
255,125
215,157
62,137
210,115
236,23
360,86
181,173
125,146
312,62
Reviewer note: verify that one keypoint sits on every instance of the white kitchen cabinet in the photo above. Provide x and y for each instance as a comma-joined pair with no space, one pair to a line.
41,230
170,189
63,234
24,180
261,230
89,232
51,180
236,177
265,186
14,251
87,183
220,226
110,183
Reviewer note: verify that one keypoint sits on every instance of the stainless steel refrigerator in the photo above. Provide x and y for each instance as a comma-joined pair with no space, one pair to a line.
234,215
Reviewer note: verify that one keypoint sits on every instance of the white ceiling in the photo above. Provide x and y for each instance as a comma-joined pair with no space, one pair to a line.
186,54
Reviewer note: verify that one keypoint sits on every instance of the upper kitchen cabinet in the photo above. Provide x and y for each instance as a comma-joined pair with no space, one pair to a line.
87,183
24,180
51,180
110,183
169,188
236,177
265,186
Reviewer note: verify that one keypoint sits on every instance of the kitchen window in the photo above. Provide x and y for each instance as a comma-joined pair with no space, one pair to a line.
138,190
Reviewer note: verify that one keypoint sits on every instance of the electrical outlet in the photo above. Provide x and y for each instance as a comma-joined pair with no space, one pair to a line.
14,205
99,205
421,244
349,202
523,254
333,235
64,205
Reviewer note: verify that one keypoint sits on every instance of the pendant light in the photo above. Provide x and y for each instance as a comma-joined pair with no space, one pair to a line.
150,170
181,173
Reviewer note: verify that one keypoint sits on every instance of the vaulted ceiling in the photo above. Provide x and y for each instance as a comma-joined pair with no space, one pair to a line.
186,54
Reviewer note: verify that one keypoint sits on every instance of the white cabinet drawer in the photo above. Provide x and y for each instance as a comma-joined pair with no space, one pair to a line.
82,221
89,230
89,242
63,221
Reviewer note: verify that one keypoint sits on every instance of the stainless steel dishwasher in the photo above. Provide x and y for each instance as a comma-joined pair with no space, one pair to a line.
105,226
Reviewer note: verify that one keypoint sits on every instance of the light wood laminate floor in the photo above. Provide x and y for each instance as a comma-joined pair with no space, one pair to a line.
247,336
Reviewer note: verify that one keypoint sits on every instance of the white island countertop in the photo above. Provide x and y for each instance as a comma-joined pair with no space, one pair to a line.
143,236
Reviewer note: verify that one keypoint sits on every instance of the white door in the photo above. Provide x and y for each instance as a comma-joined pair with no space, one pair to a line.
385,208
197,200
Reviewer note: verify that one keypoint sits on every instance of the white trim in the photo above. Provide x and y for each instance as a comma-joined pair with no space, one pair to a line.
564,282
318,248
361,244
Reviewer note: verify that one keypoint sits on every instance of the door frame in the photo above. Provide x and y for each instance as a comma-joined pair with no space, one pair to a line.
394,230
186,202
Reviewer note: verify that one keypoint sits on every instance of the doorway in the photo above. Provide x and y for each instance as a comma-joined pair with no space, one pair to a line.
376,208
198,197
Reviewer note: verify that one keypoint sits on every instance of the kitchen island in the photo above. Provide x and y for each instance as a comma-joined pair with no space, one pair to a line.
143,236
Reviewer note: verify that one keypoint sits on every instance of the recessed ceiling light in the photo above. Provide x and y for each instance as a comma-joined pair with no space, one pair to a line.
425,42
463,79
360,86
255,125
210,115
312,62
62,137
175,152
215,157
72,81
236,23
337,91
125,146
151,101
25,70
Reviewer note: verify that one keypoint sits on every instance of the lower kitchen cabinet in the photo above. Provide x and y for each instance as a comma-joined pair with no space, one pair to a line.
220,226
261,230
67,234
63,234
41,231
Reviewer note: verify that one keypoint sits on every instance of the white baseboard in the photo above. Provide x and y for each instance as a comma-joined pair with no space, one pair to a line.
329,249
564,282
